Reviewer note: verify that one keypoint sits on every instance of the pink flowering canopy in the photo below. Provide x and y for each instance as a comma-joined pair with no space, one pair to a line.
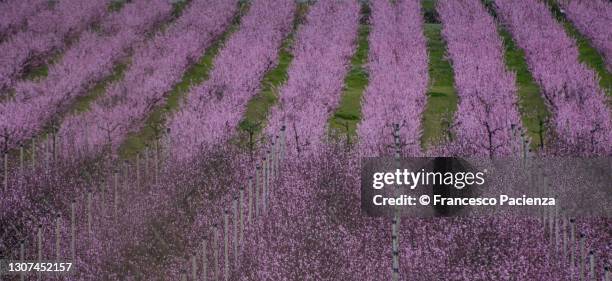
213,110
581,119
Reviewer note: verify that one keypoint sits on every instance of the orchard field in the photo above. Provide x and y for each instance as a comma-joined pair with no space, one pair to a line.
223,139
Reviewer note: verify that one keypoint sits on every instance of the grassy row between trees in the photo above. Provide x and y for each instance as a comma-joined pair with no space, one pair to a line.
588,54
438,114
533,109
40,71
343,123
441,97
83,102
196,74
258,108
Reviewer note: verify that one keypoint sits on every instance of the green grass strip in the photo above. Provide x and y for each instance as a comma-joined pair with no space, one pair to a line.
441,96
116,5
194,75
83,103
259,106
429,11
587,53
533,109
39,72
343,123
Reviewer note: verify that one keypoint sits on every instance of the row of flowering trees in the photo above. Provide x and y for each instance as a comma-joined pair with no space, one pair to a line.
155,68
393,104
321,50
131,226
592,18
487,117
92,58
49,31
292,242
14,15
112,204
204,173
398,78
213,110
581,119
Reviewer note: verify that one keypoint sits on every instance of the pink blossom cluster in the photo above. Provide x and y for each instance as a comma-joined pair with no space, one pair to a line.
156,67
487,116
592,18
91,59
35,197
228,175
46,193
398,78
315,229
581,119
322,50
214,109
50,30
14,14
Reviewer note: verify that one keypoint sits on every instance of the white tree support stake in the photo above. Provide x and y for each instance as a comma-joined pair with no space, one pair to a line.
607,273
225,245
551,227
156,162
215,253
126,174
277,155
539,183
194,268
22,258
257,181
138,171
564,232
146,161
283,141
89,213
591,266
264,191
73,230
572,246
204,261
581,259
272,161
395,250
556,230
396,220
268,172
54,149
183,277
39,246
43,152
544,183
33,152
21,157
6,179
250,200
58,237
102,203
235,221
116,197
241,215
270,176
